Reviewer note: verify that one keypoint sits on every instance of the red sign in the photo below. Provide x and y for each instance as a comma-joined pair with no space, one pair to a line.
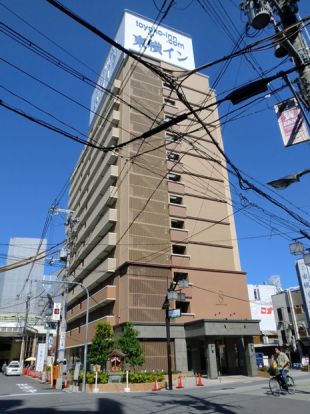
266,310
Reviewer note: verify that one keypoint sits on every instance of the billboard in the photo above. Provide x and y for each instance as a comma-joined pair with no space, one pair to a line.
303,273
291,122
158,42
141,35
261,305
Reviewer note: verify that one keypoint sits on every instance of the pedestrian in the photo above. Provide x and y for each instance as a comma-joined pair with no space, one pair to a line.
3,367
283,363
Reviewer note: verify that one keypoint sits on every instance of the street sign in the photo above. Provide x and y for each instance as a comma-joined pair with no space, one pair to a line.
174,313
56,312
50,325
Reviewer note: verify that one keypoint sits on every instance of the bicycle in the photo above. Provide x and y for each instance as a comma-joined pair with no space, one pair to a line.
277,384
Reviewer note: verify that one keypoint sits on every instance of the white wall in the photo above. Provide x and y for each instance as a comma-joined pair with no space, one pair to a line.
261,305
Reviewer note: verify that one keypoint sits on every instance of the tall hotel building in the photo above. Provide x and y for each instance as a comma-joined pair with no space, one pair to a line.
156,211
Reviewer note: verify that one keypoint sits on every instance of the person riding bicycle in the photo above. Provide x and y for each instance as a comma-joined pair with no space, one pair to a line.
283,363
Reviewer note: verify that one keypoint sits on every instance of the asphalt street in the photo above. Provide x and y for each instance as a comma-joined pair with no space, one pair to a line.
23,395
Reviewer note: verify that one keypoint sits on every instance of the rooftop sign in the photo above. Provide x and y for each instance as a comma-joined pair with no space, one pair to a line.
141,35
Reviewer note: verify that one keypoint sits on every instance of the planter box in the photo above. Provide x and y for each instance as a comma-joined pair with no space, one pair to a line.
114,387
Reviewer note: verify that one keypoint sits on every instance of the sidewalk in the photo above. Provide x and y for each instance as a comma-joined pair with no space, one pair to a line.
191,381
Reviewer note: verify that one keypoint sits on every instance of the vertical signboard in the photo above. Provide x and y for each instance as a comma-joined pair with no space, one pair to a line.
56,312
303,273
142,36
291,122
40,357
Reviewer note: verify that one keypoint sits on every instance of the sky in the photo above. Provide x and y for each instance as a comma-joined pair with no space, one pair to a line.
36,163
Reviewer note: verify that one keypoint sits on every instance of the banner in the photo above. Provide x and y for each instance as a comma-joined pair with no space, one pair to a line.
303,274
40,357
291,122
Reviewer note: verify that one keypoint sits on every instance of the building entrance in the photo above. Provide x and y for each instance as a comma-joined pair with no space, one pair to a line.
229,356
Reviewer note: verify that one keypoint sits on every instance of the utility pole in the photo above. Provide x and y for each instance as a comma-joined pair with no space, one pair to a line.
282,14
65,256
172,295
24,336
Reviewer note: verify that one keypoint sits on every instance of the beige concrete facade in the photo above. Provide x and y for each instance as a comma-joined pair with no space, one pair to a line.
155,211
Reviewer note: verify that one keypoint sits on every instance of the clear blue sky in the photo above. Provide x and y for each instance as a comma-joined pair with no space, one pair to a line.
36,163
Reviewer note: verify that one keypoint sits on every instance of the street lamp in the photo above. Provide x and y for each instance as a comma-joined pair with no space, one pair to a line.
86,322
284,182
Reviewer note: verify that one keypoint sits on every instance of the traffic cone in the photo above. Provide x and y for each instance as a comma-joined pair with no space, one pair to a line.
199,381
180,383
155,386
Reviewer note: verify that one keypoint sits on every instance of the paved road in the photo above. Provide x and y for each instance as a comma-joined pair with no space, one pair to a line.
14,386
24,395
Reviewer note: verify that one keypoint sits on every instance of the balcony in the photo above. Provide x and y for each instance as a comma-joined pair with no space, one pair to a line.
96,276
77,336
98,230
100,162
102,297
115,118
95,255
105,177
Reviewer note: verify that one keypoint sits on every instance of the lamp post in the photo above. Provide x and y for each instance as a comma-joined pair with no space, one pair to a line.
65,282
284,182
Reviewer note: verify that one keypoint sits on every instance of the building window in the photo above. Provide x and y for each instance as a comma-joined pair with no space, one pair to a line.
171,138
178,249
256,294
280,315
177,224
172,156
167,85
174,177
183,306
283,337
173,199
180,276
298,309
169,101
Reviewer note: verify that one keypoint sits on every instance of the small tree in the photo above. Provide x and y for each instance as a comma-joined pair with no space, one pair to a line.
130,345
102,344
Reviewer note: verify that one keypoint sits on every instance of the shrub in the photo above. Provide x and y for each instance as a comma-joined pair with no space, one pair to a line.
103,377
142,377
90,377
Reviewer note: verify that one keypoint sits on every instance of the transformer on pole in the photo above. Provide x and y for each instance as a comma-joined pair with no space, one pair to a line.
289,40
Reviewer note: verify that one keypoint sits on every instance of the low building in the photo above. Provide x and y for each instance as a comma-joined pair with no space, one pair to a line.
262,309
292,327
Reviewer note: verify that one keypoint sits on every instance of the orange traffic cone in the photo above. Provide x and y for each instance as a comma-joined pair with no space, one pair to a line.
155,386
180,383
199,381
